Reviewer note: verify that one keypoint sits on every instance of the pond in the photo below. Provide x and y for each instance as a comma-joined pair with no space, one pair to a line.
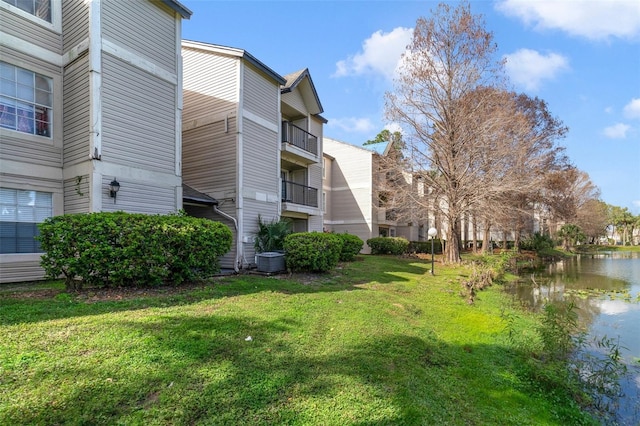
605,288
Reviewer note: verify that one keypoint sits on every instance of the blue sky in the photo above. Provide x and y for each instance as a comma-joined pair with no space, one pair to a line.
581,56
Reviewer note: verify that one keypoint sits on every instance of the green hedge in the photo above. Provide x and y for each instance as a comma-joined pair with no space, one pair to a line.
351,246
312,251
128,249
388,245
425,246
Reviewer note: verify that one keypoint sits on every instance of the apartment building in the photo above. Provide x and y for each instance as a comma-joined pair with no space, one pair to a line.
252,144
90,115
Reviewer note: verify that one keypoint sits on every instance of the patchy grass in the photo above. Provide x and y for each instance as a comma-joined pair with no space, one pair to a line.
377,341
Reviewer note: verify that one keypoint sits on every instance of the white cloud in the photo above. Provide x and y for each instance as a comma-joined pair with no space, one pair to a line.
592,19
529,68
632,109
380,54
352,124
617,131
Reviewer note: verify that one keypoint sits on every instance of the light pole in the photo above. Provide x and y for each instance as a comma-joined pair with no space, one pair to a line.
432,234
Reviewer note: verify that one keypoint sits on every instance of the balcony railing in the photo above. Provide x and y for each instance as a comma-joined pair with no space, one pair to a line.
299,194
296,136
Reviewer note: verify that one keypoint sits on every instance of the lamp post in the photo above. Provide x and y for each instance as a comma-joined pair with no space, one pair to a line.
432,232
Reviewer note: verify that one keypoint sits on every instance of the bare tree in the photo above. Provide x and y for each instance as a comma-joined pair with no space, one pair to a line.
566,191
451,55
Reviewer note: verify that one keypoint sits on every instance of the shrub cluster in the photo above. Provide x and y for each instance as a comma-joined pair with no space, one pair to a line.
388,245
537,242
351,246
425,246
125,249
312,251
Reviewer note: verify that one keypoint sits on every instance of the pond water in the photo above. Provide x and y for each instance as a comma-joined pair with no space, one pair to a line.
605,288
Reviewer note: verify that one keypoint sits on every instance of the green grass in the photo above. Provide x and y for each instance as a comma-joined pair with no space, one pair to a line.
378,341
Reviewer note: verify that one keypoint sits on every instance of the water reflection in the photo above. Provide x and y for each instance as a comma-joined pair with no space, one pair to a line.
606,290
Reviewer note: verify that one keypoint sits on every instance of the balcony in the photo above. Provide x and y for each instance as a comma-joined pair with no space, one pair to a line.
299,194
299,145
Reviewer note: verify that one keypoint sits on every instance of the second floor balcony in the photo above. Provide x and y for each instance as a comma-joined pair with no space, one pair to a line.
296,193
299,144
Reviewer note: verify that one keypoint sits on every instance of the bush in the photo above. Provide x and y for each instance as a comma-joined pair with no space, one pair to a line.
270,236
388,245
351,246
125,249
312,251
537,242
425,246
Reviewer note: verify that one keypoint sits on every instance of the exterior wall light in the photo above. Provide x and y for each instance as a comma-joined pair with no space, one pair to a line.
114,187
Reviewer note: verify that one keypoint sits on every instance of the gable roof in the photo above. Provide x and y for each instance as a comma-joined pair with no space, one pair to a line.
302,78
238,53
178,7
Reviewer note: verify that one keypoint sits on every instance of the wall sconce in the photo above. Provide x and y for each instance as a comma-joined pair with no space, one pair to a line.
114,187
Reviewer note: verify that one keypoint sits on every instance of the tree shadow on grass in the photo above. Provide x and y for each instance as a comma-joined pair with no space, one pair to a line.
43,304
202,369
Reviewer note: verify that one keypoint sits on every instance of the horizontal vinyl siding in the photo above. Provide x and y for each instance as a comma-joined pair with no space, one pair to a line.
138,119
77,195
210,85
209,160
30,31
139,197
13,272
294,99
261,95
76,119
142,27
75,23
261,158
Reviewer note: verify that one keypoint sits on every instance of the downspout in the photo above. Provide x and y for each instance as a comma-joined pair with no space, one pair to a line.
235,225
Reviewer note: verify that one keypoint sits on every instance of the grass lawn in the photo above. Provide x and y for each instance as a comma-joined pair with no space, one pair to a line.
378,341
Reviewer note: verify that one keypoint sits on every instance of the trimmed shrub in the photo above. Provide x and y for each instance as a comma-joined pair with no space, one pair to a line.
312,251
388,245
130,249
351,246
425,246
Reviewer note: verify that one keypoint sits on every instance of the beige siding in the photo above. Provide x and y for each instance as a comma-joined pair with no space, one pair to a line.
77,195
209,160
143,27
32,32
261,95
351,189
138,122
76,112
19,271
294,99
75,23
205,96
138,197
261,150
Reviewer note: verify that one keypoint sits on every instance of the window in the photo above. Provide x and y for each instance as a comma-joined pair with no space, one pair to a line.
20,212
26,99
324,202
38,8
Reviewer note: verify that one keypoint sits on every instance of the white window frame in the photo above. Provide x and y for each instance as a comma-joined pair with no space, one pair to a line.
56,15
34,104
17,206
